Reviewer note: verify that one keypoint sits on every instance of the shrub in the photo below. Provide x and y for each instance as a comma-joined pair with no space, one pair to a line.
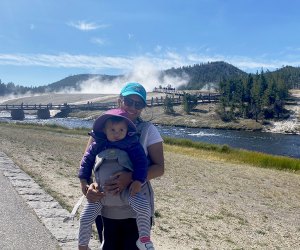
189,102
168,105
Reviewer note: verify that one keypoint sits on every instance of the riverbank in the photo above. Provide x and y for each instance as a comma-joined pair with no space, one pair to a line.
202,201
203,116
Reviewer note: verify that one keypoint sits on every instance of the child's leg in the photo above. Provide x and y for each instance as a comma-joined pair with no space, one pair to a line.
87,218
143,219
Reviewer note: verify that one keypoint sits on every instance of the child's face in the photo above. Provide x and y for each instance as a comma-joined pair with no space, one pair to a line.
115,131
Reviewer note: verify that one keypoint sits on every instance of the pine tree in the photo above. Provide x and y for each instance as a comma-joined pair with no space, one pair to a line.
168,105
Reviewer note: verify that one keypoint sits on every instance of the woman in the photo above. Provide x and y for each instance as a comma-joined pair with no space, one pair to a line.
120,229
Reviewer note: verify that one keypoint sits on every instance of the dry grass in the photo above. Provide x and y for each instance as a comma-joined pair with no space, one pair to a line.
202,201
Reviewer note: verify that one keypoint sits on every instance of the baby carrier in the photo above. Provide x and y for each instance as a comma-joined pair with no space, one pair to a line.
108,163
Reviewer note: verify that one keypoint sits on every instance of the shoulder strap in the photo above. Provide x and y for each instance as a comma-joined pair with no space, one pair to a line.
140,126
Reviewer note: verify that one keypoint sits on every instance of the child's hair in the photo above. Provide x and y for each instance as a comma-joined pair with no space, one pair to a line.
116,119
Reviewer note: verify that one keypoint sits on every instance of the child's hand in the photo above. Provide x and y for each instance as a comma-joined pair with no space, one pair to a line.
135,187
94,194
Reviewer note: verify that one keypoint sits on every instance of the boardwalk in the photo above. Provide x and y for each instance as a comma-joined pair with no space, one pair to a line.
88,106
43,110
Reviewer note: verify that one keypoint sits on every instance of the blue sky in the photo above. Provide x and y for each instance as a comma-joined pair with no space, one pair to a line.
43,41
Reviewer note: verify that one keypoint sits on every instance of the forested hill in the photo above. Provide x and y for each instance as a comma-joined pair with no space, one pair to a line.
196,76
289,74
202,74
74,82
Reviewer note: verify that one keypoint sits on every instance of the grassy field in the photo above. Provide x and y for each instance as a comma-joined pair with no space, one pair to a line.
209,197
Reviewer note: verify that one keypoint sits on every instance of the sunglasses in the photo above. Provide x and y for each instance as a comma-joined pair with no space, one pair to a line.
129,103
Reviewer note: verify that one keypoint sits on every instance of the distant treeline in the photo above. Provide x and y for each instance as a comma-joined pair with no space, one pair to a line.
10,88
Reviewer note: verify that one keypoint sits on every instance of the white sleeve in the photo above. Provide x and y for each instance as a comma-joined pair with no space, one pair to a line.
149,136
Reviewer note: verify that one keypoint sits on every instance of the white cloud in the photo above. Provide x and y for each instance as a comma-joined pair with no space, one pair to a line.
165,60
158,49
130,36
86,26
98,41
145,69
65,60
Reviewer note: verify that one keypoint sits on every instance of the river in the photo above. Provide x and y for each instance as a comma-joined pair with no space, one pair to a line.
271,143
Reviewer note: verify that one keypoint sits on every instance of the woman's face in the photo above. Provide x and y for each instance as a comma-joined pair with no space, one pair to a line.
133,105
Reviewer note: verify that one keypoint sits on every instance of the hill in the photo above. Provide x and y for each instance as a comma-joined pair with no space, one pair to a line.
200,75
291,76
74,82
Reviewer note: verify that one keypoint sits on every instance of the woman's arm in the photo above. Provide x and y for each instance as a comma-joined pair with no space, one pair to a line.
156,154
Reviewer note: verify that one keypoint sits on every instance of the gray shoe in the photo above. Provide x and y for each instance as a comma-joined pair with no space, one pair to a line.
145,246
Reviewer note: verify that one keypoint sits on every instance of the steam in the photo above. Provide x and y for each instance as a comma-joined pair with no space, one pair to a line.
16,96
144,72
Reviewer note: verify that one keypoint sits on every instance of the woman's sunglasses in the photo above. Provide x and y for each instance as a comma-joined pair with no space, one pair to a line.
129,103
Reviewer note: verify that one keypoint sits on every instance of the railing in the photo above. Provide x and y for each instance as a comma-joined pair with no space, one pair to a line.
176,99
88,106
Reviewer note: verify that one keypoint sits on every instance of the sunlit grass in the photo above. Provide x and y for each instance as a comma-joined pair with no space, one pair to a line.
189,147
49,127
235,155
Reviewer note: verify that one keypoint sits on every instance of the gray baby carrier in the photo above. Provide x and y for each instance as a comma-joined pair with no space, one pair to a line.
109,162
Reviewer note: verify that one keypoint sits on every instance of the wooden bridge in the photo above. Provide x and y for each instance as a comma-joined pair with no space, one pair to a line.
43,110
87,106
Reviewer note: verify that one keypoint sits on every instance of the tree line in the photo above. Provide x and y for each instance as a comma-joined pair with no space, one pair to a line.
12,89
257,96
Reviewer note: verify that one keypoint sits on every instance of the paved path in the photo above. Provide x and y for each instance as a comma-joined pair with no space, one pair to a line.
29,217
20,227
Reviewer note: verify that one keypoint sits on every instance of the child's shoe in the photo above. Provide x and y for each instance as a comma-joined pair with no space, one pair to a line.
148,245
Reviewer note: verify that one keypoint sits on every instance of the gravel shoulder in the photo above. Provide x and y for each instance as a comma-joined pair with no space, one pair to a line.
202,202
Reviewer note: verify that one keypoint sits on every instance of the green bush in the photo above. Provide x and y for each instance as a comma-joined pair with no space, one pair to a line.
189,102
168,105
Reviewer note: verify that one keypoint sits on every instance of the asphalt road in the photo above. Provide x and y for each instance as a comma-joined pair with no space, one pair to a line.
19,226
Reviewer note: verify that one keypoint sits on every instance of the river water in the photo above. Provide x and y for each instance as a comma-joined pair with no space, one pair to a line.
271,143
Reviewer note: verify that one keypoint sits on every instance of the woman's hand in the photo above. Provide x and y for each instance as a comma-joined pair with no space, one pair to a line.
118,182
93,194
84,186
